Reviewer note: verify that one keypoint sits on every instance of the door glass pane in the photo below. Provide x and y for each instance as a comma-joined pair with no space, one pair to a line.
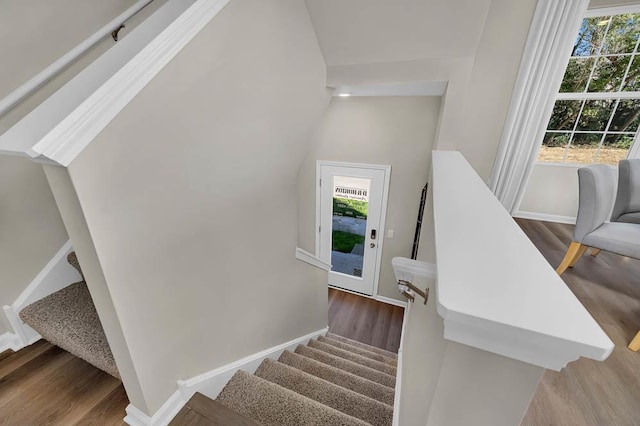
349,224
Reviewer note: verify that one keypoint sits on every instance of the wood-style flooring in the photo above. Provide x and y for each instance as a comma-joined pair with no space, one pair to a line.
586,392
44,385
365,320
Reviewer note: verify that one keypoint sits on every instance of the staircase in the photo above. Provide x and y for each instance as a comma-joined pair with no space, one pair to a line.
68,319
330,381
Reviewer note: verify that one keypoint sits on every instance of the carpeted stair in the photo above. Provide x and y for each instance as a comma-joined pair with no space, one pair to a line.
68,319
330,381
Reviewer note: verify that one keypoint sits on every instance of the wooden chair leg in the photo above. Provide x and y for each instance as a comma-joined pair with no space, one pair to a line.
595,251
635,343
579,254
572,254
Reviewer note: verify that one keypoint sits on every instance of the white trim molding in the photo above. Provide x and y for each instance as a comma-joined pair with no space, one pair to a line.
552,34
67,140
162,417
211,382
571,220
59,129
311,259
56,275
398,388
10,342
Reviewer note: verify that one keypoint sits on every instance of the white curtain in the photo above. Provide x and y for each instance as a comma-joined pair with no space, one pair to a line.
551,37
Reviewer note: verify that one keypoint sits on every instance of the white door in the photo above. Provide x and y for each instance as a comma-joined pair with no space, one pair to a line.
352,205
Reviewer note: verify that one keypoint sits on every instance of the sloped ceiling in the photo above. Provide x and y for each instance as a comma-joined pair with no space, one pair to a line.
374,31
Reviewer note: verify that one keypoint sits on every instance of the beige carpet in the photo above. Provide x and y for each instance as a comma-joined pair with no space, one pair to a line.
331,381
68,319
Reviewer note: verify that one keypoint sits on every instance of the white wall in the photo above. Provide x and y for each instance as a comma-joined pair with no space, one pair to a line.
395,131
551,192
31,230
76,224
190,198
35,33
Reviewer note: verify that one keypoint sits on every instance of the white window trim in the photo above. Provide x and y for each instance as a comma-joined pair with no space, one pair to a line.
634,150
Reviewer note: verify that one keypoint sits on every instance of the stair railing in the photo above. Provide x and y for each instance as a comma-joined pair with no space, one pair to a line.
424,294
37,81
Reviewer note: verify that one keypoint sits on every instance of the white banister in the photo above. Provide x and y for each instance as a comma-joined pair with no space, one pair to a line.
37,81
495,291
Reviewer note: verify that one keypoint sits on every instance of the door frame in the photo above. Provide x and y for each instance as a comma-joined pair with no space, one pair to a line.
383,215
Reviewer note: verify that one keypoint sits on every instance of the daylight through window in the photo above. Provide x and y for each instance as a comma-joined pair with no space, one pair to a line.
597,112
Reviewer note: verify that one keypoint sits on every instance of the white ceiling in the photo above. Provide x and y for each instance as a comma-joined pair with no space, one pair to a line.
373,31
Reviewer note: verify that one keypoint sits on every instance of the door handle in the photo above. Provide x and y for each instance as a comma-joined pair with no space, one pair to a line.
372,245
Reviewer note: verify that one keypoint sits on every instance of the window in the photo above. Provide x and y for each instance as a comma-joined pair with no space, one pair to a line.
597,112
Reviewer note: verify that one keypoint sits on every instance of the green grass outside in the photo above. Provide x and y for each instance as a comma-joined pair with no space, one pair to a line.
344,242
350,208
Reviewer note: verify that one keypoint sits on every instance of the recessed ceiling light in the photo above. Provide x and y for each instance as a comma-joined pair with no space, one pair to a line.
344,95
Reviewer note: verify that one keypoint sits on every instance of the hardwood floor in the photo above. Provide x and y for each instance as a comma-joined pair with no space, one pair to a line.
365,320
44,385
586,392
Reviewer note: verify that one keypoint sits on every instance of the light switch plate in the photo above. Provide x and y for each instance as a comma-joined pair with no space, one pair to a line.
391,233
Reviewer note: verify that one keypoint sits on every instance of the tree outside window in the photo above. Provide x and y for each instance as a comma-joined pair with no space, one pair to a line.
597,112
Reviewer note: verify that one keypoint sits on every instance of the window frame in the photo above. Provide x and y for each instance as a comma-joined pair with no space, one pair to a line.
616,97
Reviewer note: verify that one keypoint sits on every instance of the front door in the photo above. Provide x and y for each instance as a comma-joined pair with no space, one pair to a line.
352,204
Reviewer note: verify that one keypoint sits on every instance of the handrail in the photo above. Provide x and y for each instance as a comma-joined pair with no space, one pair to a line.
37,81
409,286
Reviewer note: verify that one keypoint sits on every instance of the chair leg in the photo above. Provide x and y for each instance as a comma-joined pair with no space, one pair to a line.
635,343
579,254
569,258
595,251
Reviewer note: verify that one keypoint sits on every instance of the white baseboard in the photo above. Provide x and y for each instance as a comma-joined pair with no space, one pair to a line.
571,220
211,383
9,341
391,301
56,275
398,388
162,417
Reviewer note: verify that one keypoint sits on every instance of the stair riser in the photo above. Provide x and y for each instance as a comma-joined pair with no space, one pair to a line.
339,377
346,365
327,393
358,359
362,346
359,351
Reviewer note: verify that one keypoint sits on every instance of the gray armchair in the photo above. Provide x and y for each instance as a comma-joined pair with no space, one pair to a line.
627,205
597,185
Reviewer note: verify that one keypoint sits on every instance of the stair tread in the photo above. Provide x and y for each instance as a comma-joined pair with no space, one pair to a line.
357,350
344,400
346,365
339,377
370,348
351,356
272,405
68,319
